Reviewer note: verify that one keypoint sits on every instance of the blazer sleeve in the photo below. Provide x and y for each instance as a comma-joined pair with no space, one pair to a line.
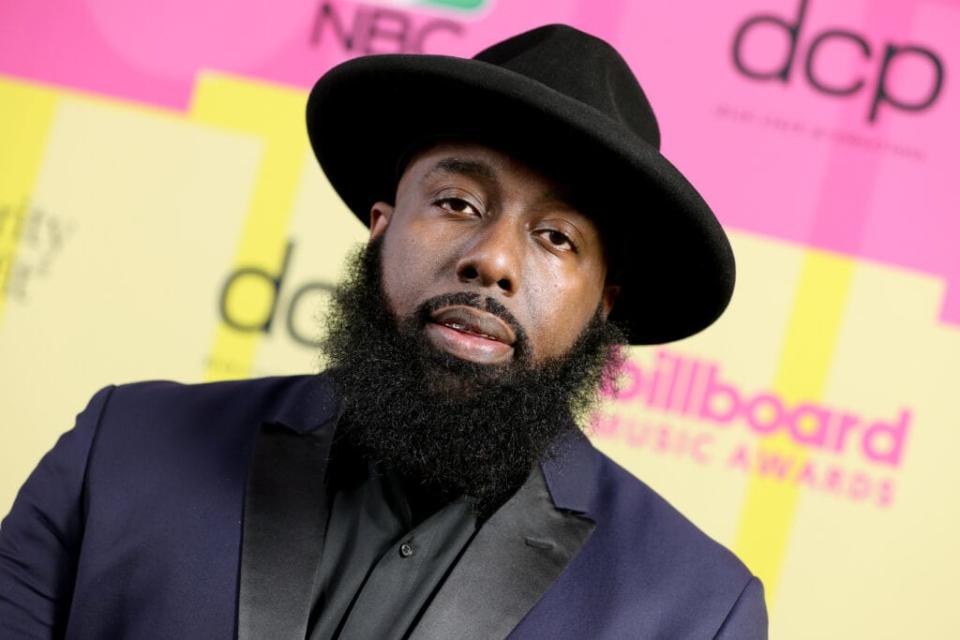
40,538
747,619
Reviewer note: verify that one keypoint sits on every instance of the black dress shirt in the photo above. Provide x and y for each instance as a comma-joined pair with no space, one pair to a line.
388,547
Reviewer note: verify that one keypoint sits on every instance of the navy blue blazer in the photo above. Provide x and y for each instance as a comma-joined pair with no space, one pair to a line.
195,511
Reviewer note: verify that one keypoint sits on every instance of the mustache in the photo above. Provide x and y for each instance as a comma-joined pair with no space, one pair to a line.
427,308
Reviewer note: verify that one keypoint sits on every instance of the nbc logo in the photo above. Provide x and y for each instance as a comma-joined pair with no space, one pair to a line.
454,5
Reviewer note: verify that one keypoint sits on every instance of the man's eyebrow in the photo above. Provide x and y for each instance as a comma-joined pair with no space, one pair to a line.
462,166
559,195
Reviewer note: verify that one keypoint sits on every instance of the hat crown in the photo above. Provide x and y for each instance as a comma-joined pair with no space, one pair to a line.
582,67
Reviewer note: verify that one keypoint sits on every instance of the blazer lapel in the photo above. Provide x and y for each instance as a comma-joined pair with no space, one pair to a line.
284,519
516,555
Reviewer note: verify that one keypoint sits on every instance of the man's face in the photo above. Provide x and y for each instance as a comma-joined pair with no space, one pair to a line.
469,334
469,219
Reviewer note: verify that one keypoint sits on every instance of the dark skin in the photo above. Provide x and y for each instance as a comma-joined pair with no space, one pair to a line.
469,218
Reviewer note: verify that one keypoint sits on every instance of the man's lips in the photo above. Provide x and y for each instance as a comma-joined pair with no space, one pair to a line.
474,321
471,334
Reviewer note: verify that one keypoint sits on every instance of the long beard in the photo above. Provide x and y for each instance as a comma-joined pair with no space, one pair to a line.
455,427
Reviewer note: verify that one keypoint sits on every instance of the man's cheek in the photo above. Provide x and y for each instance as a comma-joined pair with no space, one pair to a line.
396,276
393,295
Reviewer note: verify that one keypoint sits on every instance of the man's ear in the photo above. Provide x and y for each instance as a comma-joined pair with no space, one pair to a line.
610,293
380,214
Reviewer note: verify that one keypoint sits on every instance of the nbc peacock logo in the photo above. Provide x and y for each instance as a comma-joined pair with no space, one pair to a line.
459,6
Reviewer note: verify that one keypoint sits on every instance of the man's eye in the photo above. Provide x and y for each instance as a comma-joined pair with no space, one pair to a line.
457,205
558,239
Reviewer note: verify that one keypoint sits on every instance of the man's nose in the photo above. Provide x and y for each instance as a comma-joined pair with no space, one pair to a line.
493,257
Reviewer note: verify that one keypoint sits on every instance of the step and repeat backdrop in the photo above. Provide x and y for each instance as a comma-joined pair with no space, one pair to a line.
161,216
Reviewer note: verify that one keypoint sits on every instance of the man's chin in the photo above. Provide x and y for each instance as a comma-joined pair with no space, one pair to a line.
446,374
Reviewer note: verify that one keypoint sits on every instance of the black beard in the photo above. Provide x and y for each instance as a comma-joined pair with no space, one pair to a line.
454,427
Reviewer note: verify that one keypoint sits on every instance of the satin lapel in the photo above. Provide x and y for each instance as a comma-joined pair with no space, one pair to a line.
284,522
513,559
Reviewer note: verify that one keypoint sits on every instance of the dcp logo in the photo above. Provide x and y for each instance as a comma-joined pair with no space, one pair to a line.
875,78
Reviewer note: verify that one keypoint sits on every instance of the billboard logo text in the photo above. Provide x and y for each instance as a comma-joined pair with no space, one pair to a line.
694,388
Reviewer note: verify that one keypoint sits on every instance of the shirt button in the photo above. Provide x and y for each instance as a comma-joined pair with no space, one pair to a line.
406,550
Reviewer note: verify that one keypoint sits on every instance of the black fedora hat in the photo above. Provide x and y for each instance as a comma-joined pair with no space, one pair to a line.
568,103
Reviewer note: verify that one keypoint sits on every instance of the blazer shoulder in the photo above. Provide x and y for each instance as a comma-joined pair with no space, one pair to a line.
40,538
172,424
647,571
301,402
261,396
635,511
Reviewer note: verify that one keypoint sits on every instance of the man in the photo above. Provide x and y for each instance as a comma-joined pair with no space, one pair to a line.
433,483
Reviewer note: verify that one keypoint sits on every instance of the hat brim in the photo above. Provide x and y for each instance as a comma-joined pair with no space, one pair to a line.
677,268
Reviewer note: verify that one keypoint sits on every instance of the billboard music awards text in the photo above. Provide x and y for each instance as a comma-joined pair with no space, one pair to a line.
692,411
